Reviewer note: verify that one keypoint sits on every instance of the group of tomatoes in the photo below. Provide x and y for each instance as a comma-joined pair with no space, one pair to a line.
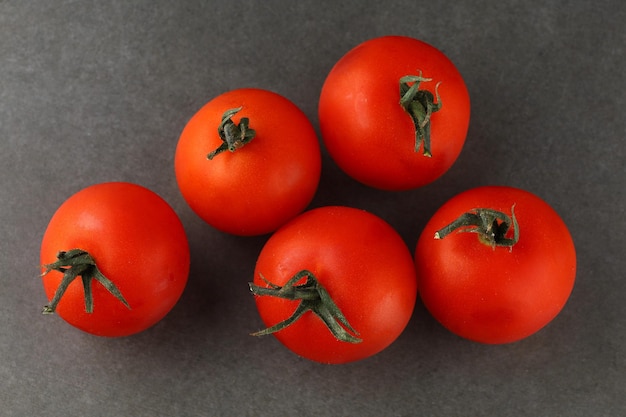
334,284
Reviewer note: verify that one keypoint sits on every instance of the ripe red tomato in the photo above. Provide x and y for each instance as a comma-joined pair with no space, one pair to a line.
267,175
503,269
375,139
129,235
343,269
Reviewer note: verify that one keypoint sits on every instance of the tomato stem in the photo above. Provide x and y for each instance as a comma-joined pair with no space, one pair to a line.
233,136
76,263
420,105
492,226
313,297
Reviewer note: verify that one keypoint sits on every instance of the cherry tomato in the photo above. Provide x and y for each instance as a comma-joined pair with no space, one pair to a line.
118,250
348,277
248,161
394,113
495,264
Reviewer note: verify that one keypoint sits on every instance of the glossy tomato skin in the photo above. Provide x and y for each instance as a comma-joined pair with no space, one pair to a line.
136,240
364,265
366,131
496,294
257,188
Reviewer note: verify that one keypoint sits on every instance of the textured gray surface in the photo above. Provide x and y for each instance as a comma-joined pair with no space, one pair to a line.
99,91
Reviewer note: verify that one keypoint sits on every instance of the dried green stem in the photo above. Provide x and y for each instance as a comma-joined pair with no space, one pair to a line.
420,105
233,136
492,226
313,297
76,263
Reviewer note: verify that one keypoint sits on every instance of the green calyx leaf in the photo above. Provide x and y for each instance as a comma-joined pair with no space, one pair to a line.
76,263
420,105
490,225
233,136
313,297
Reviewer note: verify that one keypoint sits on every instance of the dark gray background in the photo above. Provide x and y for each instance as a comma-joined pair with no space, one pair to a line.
94,91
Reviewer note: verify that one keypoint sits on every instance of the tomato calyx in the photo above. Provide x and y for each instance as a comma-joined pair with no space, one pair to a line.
490,225
234,136
313,297
76,263
420,105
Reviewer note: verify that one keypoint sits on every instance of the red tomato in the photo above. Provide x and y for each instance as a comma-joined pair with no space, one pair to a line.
269,177
358,261
135,239
488,287
371,136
